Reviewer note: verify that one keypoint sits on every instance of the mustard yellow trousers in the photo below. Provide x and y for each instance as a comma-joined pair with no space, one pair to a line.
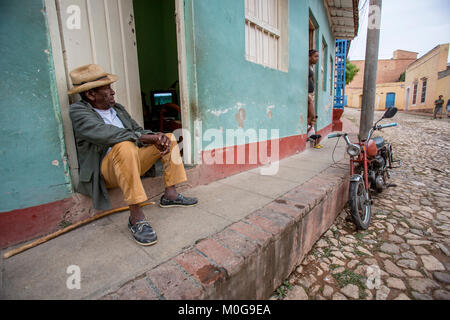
125,163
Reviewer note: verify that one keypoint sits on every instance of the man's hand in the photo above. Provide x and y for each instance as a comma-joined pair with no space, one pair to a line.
159,140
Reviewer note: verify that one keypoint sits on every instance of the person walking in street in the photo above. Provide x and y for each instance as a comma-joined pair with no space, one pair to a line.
438,107
114,151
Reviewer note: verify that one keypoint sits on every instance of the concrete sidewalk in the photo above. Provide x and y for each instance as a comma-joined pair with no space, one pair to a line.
214,237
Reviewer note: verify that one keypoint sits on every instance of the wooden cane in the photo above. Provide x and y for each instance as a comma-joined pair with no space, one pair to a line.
65,230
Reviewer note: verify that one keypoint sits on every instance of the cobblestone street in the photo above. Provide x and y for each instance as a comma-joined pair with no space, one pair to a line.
405,252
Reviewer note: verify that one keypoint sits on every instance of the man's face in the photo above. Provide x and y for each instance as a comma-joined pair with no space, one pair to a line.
314,58
102,97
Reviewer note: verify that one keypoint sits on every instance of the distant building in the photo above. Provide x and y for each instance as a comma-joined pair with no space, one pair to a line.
390,92
426,79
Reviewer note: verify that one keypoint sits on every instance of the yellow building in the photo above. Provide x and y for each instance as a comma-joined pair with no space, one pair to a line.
387,94
443,86
426,79
390,92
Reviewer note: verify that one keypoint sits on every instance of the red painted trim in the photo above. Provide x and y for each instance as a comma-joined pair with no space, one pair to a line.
287,147
216,171
24,224
337,123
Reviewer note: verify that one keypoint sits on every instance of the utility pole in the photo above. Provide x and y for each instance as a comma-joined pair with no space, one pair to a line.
371,68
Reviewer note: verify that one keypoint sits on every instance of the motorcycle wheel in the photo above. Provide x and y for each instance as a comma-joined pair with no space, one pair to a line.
360,206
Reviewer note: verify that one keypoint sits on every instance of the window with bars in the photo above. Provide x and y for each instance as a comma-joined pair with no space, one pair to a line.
424,91
312,34
414,99
264,32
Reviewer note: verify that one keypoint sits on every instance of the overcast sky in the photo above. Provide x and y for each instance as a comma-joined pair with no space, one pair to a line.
413,25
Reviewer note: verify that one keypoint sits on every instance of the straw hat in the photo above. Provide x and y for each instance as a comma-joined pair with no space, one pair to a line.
89,77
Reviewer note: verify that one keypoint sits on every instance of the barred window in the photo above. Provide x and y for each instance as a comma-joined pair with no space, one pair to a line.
424,91
414,99
263,32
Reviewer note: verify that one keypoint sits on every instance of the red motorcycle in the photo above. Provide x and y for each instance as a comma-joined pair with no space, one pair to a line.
370,161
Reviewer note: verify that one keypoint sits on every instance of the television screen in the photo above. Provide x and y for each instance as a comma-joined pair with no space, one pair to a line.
162,97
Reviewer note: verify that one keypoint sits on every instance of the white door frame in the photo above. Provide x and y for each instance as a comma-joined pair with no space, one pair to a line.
182,74
63,83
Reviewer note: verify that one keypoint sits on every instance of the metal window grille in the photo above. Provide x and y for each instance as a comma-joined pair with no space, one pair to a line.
339,74
424,91
415,93
262,32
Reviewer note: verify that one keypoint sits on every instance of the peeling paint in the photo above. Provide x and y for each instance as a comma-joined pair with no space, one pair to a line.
55,163
269,111
302,123
220,112
240,117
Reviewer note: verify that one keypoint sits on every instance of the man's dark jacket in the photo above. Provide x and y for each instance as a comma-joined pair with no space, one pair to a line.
94,138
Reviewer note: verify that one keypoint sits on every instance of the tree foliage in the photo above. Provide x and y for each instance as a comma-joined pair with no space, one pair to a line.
350,72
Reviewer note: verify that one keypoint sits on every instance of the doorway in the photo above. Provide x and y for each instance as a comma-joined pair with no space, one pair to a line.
390,100
156,38
105,34
408,92
313,27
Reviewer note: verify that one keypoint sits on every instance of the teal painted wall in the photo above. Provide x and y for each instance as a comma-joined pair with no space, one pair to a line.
221,80
31,132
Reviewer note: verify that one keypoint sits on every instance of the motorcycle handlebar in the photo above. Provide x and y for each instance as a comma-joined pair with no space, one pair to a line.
387,125
335,135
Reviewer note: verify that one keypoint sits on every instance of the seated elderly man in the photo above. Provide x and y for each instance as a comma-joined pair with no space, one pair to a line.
114,151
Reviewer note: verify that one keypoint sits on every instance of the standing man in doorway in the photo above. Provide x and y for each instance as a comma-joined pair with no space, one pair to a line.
312,117
114,151
313,59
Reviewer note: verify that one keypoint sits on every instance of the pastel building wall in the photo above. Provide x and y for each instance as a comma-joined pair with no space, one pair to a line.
229,92
423,85
388,74
33,167
395,89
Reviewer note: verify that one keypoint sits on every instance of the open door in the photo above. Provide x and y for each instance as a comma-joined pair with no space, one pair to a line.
104,35
104,32
156,33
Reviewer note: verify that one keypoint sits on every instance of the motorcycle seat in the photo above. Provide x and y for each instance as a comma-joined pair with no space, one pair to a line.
379,142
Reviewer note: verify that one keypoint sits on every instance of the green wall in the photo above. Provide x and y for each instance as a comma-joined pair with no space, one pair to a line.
157,43
33,169
221,80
